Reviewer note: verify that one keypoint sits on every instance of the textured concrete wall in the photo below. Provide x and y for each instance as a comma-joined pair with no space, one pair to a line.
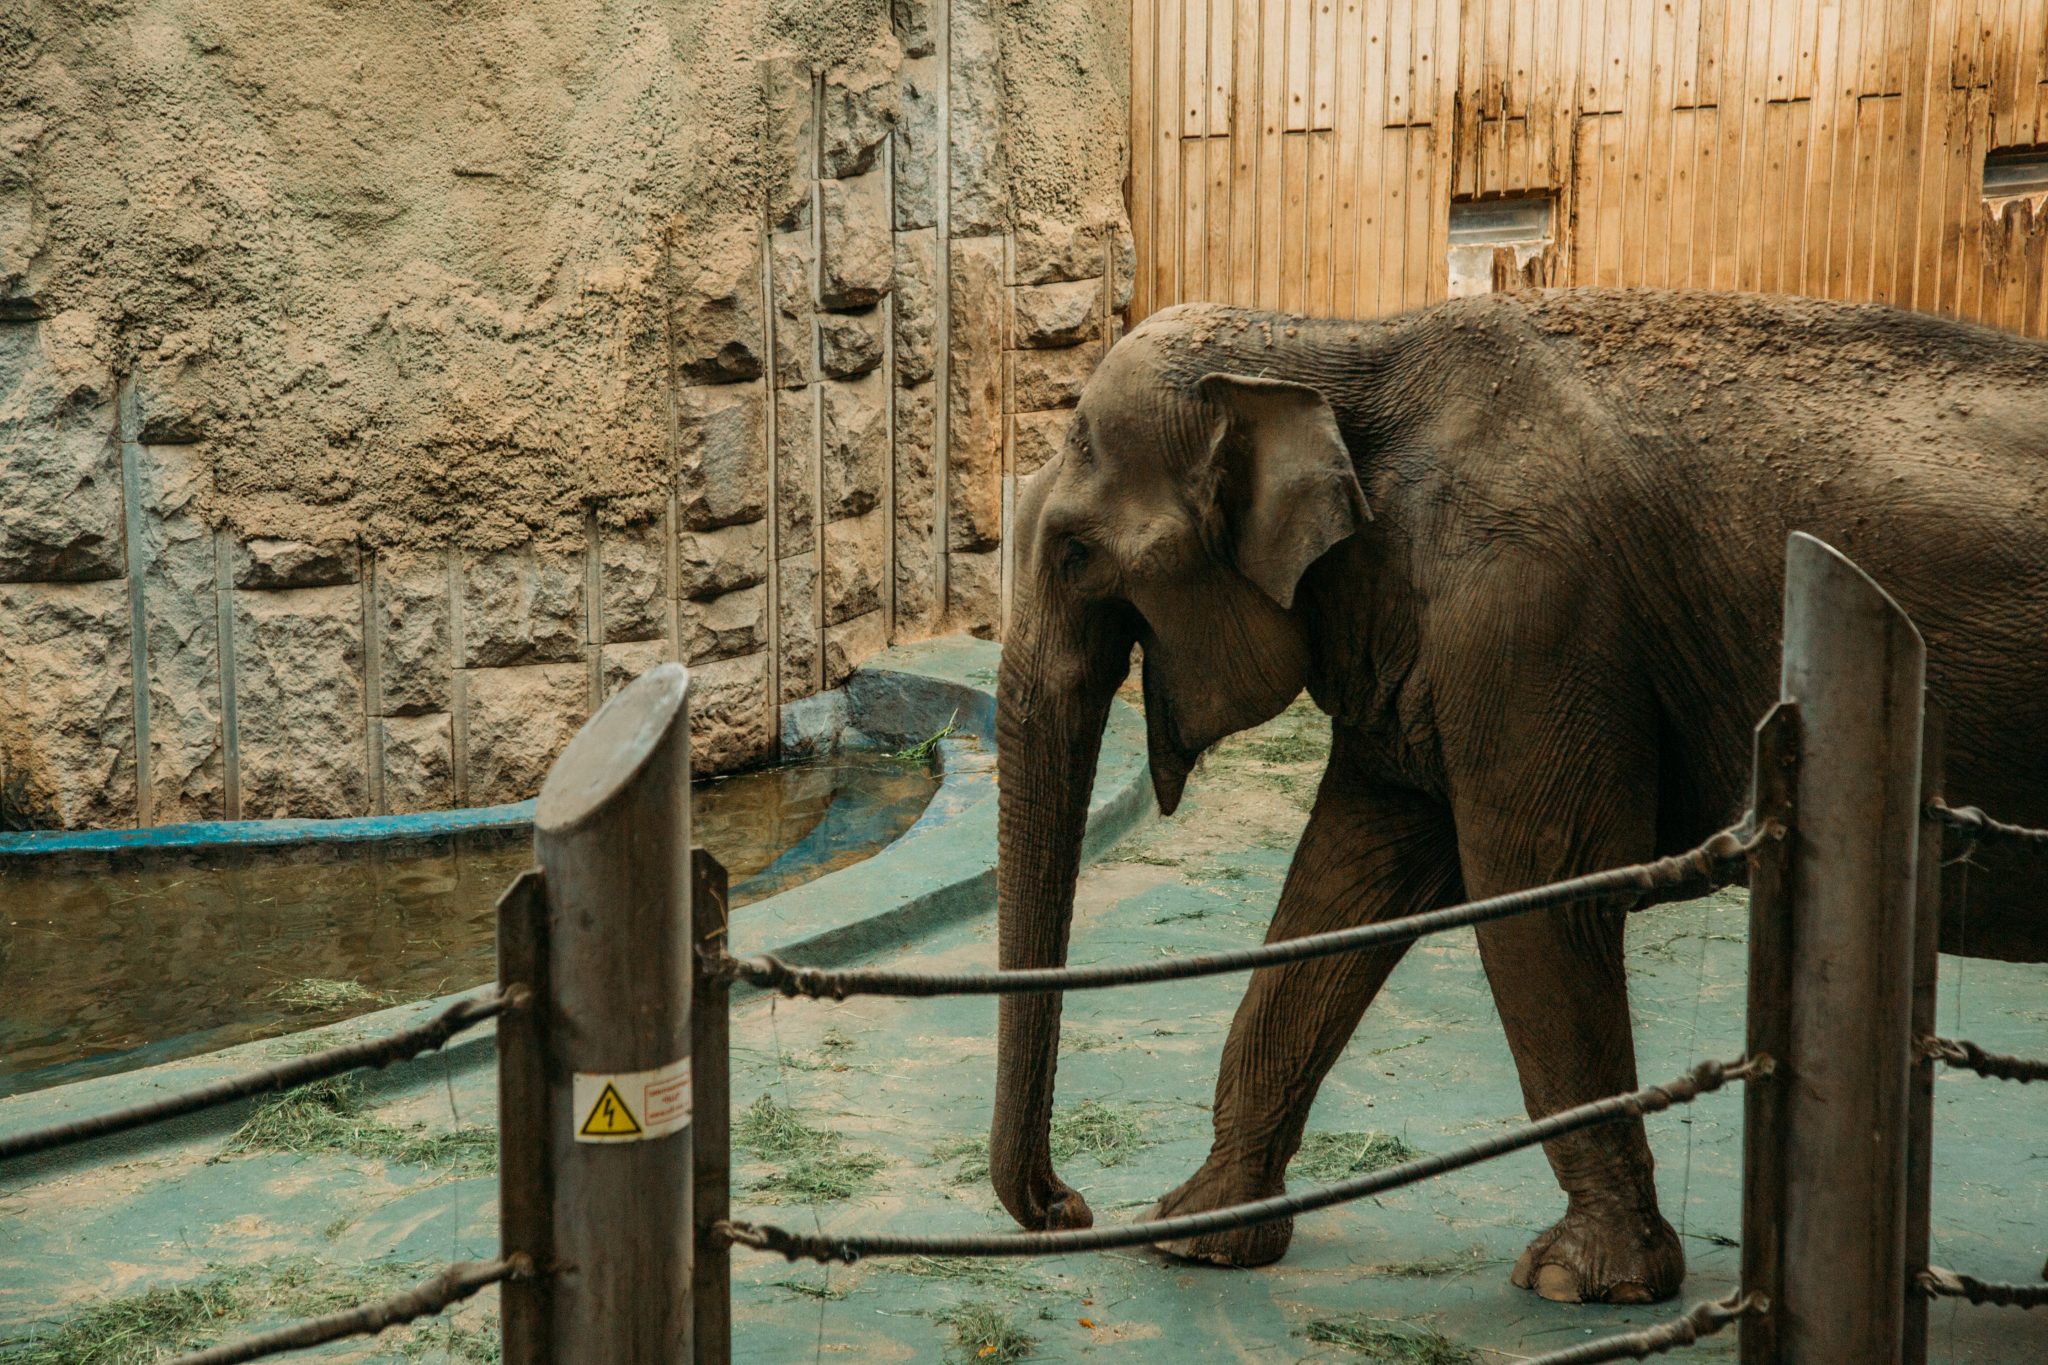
857,349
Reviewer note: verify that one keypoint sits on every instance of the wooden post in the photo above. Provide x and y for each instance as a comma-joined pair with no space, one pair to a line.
1926,972
526,1201
711,1289
1772,799
1856,666
612,834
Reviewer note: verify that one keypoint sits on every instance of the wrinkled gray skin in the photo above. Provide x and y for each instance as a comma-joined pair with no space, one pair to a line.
1527,553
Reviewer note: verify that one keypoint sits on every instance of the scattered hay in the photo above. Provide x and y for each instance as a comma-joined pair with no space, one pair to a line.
329,1116
1080,1040
979,1271
827,1058
440,1342
819,1179
317,1040
971,1153
317,994
1397,1047
770,1129
922,751
816,1166
1107,1132
1336,1156
1385,1339
1431,1267
1134,854
982,1332
1300,792
820,1290
137,1329
1288,748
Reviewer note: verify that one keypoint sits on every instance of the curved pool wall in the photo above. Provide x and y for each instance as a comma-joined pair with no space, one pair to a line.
940,871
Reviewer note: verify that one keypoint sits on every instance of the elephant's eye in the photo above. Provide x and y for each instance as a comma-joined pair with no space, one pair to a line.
1073,556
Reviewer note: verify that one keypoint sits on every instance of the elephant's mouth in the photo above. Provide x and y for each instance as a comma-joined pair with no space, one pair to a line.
1171,760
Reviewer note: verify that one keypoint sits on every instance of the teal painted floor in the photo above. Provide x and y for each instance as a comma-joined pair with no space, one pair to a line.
903,1081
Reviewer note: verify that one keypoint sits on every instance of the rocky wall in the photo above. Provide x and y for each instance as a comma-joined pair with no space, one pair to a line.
719,334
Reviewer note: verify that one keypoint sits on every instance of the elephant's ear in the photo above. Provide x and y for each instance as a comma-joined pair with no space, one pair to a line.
1286,482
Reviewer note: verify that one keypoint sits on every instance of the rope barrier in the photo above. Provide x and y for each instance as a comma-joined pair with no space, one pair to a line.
1967,1056
1982,828
1700,1321
1712,864
451,1286
1937,1282
1707,1076
376,1052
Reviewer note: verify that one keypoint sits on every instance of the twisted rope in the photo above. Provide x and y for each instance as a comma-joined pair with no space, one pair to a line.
1707,1076
376,1052
1696,871
451,1286
1937,1282
1700,1321
1962,1053
1983,829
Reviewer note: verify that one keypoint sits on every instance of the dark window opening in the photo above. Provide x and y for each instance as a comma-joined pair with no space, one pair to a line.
2011,174
1500,222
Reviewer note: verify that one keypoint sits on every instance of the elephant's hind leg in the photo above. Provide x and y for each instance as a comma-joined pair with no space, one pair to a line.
1369,853
1561,985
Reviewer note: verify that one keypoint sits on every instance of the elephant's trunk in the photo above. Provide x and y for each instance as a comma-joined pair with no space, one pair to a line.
1052,706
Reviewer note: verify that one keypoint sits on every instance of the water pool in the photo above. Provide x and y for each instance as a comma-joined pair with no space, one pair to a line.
106,971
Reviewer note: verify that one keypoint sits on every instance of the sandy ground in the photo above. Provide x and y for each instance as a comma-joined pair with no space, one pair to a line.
909,1084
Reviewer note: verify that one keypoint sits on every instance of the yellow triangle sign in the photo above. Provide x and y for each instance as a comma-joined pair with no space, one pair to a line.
609,1117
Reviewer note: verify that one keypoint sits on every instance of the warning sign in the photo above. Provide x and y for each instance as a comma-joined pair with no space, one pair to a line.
632,1106
609,1117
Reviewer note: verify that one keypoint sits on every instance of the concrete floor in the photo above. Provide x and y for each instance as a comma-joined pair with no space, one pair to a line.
901,1079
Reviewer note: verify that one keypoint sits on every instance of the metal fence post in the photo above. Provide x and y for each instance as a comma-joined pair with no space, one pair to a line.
526,1201
711,1144
1926,972
612,835
1770,1024
1856,666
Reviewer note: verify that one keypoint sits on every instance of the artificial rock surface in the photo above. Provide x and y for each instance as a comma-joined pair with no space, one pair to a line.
517,340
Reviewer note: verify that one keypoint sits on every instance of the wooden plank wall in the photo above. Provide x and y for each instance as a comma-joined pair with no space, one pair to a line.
1303,154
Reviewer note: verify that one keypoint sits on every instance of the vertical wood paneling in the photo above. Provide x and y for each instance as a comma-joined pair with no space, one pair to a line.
1303,154
1242,286
1272,137
1168,209
1346,203
1139,189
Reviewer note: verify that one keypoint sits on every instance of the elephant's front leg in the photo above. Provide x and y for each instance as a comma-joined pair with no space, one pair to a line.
1369,853
1561,985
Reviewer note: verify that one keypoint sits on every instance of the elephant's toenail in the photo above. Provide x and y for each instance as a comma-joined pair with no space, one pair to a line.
1558,1284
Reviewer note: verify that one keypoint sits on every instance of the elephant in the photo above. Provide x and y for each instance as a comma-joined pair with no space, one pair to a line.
1526,552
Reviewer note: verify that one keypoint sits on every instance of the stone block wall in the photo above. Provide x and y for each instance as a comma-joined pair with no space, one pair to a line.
865,353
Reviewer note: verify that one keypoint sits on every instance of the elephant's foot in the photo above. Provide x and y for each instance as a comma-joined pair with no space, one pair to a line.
1045,1203
1618,1258
1242,1248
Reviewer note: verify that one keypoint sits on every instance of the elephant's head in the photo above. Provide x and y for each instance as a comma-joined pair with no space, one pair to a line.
1180,515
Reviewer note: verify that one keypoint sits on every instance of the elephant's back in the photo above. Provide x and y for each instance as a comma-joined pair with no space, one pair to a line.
1917,445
